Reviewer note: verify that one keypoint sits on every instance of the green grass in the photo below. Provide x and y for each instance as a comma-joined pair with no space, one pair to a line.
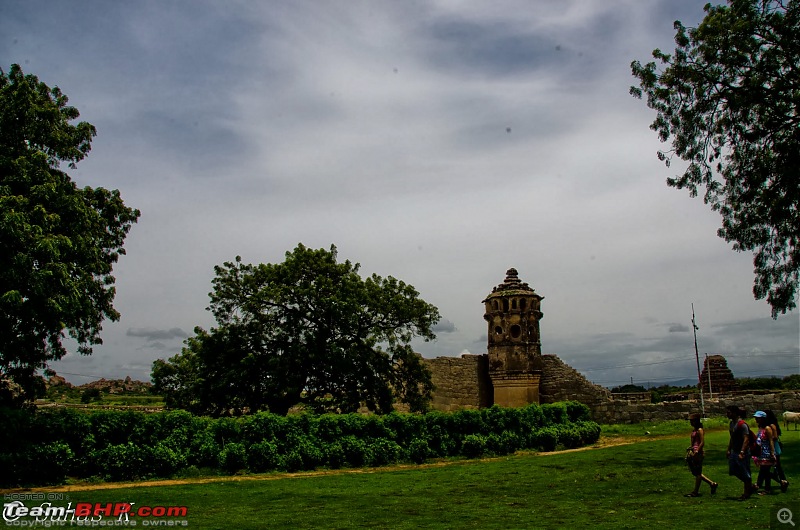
639,485
664,428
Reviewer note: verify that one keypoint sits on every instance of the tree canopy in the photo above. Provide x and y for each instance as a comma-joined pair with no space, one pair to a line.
58,242
307,331
727,101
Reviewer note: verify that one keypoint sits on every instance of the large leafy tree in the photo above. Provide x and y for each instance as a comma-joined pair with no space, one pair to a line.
58,242
306,331
727,101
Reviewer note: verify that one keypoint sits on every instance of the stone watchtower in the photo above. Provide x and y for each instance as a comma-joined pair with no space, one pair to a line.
514,349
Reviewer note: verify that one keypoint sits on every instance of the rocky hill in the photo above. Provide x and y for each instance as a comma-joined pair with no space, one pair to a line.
109,386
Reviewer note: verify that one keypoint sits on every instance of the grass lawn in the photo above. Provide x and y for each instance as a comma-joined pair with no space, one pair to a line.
639,485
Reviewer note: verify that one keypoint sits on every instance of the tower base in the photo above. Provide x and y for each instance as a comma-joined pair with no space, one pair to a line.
515,390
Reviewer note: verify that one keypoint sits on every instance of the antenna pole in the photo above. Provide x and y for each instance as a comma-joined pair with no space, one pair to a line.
697,359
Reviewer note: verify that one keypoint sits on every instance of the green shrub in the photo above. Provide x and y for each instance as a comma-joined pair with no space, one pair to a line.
473,446
233,457
162,460
334,455
329,428
355,450
441,443
263,456
589,431
568,436
226,430
383,452
554,414
577,411
310,455
44,464
119,462
546,438
532,417
418,450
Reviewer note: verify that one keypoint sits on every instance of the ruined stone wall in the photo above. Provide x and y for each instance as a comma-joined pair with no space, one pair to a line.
461,382
561,382
624,411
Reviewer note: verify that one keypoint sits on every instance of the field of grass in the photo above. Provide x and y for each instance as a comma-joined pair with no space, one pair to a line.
638,485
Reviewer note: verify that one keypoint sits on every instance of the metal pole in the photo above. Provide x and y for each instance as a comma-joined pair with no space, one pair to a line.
697,358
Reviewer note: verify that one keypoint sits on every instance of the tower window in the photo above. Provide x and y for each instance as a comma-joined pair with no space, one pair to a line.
522,304
514,303
515,331
498,330
505,305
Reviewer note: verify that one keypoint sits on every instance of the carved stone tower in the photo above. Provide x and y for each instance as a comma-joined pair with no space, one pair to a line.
514,349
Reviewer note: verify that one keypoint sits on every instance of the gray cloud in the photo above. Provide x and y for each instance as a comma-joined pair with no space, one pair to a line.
678,328
151,334
444,326
246,128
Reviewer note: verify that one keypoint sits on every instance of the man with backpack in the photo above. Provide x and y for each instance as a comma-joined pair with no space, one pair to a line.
739,449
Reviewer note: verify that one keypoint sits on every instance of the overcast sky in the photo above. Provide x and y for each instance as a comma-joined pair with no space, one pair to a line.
440,142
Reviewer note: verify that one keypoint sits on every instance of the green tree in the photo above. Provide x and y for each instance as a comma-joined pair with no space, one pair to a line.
58,242
727,101
306,331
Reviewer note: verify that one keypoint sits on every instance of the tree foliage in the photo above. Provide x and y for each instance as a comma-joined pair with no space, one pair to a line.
727,101
306,331
58,242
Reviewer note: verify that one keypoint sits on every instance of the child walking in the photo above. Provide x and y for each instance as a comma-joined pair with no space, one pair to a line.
765,458
694,457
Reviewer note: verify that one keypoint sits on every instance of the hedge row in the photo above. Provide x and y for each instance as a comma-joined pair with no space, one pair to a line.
45,447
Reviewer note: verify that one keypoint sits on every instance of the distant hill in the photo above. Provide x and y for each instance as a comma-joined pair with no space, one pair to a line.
109,386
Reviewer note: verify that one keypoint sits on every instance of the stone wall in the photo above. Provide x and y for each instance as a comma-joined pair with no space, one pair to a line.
625,411
561,382
461,382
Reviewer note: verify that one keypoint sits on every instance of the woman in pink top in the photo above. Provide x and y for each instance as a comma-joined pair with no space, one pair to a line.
694,457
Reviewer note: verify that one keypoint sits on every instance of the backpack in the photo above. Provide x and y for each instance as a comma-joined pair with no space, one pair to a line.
752,441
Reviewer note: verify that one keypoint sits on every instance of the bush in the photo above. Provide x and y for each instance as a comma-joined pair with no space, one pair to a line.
163,461
335,456
577,411
589,431
310,455
119,462
355,451
45,464
555,414
473,446
569,436
383,452
546,438
233,458
263,456
418,450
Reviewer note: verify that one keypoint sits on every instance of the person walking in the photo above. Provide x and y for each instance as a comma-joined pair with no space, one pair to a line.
777,473
765,455
738,452
694,457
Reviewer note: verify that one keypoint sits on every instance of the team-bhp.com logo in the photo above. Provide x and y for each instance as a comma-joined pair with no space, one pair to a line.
17,513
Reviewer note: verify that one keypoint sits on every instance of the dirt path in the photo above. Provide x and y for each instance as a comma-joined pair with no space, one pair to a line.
605,441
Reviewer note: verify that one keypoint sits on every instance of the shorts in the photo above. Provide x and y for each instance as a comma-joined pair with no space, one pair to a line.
695,464
739,468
